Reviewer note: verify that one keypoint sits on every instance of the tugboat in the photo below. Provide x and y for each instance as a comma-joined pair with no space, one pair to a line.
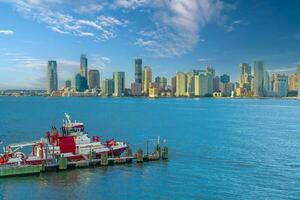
72,142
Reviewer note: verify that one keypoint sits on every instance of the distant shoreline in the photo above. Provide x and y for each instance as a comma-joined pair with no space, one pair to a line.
161,97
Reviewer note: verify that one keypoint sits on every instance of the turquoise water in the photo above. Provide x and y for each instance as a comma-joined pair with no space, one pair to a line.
219,148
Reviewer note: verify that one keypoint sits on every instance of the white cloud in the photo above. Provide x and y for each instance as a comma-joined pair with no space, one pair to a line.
177,24
6,32
63,22
203,59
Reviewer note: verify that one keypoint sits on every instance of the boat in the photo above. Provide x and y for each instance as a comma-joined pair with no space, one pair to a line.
71,142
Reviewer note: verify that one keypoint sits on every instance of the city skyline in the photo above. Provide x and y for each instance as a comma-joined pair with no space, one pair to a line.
112,34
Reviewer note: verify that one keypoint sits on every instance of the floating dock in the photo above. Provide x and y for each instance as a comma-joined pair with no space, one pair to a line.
62,164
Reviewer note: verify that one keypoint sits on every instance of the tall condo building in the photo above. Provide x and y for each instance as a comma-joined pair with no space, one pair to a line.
298,73
245,76
119,83
52,83
293,82
163,83
83,66
181,84
138,70
280,85
107,87
68,84
259,75
147,79
173,84
190,83
94,79
204,84
80,83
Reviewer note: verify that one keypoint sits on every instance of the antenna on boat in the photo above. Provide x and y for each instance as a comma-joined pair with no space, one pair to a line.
68,117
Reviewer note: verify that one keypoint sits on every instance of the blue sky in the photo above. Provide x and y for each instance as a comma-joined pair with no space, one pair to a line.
170,36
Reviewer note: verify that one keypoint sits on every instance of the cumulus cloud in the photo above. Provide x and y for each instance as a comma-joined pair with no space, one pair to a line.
58,20
177,24
6,32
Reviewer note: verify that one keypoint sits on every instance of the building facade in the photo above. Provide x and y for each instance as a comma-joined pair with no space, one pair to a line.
52,81
181,84
138,70
146,79
298,73
259,75
94,79
136,89
280,85
84,66
107,87
80,83
119,83
68,84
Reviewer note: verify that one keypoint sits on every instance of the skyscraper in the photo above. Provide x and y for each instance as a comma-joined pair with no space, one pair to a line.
293,82
259,74
280,85
107,87
245,77
80,83
190,84
173,84
119,83
94,79
83,66
163,83
147,79
298,72
52,83
68,84
181,84
138,70
216,84
200,85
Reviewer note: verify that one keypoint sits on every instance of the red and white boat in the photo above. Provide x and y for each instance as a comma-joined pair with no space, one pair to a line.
72,142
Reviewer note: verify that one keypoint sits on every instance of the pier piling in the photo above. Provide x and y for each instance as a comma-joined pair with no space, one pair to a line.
165,152
139,156
104,159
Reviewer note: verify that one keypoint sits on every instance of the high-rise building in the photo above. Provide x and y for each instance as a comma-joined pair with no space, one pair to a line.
84,66
80,83
173,84
107,87
280,85
181,84
157,79
216,84
200,85
136,89
293,82
147,79
245,77
211,70
68,84
298,72
94,79
259,75
163,83
119,83
225,78
267,87
190,84
203,84
138,70
52,82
